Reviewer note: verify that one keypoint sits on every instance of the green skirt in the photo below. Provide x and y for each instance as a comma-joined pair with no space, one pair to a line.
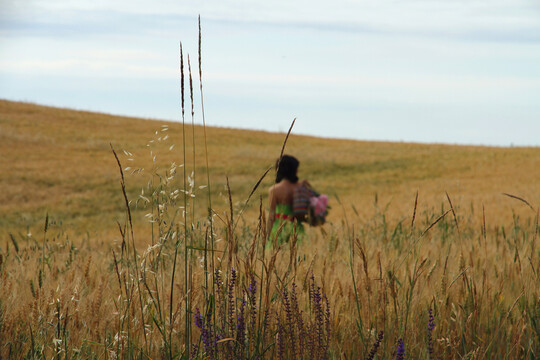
285,227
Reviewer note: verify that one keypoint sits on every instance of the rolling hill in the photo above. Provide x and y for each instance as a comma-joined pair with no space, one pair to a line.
59,162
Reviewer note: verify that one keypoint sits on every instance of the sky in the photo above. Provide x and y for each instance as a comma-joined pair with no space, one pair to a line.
430,71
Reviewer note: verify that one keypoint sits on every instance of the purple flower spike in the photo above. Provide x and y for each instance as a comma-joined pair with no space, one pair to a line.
375,347
252,287
240,323
400,353
206,334
431,326
198,319
431,323
231,300
241,329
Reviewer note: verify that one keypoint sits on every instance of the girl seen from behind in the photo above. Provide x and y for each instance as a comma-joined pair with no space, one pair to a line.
282,223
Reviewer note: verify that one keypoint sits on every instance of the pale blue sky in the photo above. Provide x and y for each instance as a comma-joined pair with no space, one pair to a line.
464,72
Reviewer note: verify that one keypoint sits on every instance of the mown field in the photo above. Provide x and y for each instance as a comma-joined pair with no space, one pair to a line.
413,229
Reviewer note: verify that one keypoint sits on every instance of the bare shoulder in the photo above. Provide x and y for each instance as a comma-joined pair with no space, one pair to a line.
274,190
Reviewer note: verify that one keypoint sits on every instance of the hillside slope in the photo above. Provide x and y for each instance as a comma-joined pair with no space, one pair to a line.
59,162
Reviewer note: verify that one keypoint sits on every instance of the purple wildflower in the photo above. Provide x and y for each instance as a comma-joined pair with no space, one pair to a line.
299,321
400,352
252,286
220,299
290,323
319,317
253,303
217,280
194,351
327,322
375,346
317,339
280,340
206,334
198,319
265,325
232,282
431,326
241,325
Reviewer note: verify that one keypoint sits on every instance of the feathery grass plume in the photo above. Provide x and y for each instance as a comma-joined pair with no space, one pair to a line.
375,346
182,81
520,199
286,138
134,250
414,210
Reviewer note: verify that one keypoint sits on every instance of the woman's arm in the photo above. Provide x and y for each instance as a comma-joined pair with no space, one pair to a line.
272,210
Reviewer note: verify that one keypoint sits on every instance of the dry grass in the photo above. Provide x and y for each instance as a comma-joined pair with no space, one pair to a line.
378,268
59,161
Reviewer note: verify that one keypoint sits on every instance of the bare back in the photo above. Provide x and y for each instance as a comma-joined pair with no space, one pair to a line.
281,193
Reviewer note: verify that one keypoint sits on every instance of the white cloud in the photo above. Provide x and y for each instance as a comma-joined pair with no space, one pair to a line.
388,15
385,61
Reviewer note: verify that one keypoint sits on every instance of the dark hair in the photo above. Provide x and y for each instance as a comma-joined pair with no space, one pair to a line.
286,168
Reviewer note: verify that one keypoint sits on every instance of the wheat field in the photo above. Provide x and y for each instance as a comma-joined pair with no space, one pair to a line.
429,251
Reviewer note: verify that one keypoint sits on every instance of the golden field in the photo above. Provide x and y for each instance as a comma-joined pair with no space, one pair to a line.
60,161
79,282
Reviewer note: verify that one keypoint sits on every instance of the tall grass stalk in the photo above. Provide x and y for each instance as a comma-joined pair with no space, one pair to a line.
359,323
134,249
210,213
189,240
185,219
